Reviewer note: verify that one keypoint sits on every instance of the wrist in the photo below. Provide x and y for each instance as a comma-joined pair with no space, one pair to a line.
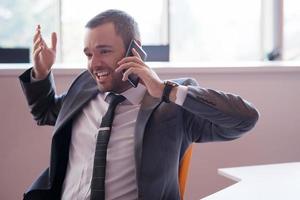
161,89
39,75
173,93
169,92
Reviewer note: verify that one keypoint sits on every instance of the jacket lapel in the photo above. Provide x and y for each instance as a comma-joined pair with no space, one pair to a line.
76,98
149,104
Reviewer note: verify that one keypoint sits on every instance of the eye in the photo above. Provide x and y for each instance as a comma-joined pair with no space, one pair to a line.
105,51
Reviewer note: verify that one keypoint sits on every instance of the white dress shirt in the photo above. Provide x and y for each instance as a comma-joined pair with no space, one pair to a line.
120,181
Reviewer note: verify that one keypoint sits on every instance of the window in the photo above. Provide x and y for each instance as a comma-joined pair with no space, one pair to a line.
18,19
291,39
190,30
150,15
215,30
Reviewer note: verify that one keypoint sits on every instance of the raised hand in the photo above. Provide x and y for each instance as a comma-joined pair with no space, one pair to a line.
43,56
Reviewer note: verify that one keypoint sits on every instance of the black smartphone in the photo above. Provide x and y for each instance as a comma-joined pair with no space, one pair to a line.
132,78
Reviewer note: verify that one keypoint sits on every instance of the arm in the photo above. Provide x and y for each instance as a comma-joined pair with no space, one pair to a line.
208,115
43,103
40,95
211,115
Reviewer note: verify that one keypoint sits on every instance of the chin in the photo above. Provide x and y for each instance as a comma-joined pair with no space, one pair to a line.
112,85
103,87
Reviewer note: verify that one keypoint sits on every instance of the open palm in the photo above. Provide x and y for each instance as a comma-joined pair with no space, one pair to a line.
43,56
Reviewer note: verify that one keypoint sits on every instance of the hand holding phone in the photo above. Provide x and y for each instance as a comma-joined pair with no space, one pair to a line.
132,78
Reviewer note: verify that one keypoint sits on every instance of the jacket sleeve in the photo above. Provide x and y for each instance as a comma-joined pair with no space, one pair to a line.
211,115
40,95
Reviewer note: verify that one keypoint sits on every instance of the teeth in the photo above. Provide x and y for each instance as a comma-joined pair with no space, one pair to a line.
103,73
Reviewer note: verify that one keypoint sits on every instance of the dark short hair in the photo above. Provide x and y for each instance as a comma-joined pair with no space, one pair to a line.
125,25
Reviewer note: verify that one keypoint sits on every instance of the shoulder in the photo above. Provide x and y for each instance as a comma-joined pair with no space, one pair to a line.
82,79
83,76
186,81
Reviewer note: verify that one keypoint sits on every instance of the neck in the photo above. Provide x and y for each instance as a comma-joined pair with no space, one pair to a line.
123,88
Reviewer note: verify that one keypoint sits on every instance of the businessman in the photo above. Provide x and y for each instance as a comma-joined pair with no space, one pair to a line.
138,153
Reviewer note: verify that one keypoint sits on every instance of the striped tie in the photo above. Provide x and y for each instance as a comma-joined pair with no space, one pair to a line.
98,179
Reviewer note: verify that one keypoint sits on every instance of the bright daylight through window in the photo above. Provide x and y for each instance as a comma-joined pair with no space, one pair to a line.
194,30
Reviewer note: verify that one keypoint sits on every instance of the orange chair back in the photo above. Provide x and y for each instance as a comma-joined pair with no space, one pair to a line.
184,169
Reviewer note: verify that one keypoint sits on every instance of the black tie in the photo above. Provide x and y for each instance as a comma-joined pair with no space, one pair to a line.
98,179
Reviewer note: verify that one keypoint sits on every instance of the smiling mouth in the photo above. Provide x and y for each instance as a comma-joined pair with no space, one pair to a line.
101,75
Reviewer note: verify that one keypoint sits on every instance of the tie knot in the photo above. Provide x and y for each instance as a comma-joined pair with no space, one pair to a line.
115,99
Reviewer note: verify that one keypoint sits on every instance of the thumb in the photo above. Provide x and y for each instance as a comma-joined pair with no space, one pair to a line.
53,41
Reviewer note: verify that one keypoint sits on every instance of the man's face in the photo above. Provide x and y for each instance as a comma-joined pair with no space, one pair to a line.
103,49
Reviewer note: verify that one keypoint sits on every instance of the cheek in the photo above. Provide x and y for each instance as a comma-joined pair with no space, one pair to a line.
113,66
117,76
118,56
116,60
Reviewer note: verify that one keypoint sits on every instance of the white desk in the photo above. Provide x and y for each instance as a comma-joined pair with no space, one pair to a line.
261,182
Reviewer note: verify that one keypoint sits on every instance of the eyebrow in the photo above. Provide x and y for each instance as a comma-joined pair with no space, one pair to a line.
98,47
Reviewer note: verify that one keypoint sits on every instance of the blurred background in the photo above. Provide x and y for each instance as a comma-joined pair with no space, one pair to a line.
190,30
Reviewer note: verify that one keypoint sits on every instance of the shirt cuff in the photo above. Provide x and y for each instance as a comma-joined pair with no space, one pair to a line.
181,94
32,79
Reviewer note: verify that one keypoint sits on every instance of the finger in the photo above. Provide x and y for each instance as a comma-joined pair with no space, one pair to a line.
131,59
127,65
43,43
135,53
36,35
37,52
37,44
39,39
127,73
53,41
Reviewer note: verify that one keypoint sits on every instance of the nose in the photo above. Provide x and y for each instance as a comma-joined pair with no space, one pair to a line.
95,61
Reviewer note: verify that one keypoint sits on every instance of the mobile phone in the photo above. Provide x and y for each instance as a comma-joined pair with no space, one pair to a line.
132,78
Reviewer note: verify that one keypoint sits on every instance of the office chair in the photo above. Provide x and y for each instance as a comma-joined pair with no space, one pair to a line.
184,169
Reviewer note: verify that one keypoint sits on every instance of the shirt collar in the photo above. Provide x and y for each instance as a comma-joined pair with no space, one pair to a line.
133,95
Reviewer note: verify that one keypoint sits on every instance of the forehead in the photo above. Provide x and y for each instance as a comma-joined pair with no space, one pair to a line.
104,34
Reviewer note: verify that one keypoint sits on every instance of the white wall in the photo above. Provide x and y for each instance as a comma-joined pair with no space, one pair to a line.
24,147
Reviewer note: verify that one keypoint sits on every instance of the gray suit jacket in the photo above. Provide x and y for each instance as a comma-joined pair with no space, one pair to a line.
163,131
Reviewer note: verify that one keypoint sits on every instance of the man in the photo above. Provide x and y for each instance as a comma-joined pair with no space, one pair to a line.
151,131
